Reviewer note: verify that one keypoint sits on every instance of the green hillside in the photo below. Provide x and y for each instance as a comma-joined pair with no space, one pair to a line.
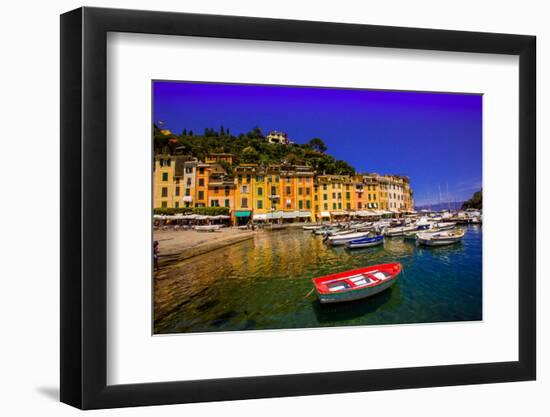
251,147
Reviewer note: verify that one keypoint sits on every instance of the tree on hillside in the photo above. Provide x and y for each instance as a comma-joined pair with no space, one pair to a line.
250,155
318,144
476,202
255,133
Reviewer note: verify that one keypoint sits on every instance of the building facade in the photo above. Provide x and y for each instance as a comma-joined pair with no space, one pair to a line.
275,193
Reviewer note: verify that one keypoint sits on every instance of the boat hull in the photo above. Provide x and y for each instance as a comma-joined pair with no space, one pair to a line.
356,294
356,284
440,242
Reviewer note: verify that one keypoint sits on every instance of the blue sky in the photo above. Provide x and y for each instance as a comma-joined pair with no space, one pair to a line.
434,138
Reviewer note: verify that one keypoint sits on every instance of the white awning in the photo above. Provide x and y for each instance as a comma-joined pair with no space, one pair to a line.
259,216
325,214
304,214
290,215
275,215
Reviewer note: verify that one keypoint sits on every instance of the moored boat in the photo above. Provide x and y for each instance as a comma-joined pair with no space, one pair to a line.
445,225
398,231
343,239
356,284
366,242
440,238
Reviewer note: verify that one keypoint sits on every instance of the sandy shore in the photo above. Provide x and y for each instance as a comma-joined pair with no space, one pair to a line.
180,245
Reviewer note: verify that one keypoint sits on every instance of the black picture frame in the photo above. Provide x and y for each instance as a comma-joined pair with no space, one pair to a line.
84,207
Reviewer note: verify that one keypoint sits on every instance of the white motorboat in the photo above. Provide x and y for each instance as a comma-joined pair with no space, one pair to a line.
398,231
343,239
440,238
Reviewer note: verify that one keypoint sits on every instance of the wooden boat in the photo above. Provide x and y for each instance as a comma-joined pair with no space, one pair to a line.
398,231
343,239
366,242
356,284
440,238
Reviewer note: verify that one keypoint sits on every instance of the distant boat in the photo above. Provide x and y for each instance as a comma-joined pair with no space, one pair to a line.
445,225
356,284
366,242
398,231
313,227
343,239
440,238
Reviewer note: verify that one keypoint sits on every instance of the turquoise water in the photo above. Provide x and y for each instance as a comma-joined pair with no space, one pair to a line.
265,283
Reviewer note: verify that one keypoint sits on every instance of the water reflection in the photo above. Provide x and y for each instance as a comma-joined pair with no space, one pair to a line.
263,283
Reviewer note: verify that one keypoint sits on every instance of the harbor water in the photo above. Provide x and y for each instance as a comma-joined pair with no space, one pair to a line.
265,283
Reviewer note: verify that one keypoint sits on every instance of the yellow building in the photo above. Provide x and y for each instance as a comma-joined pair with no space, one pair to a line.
168,172
244,193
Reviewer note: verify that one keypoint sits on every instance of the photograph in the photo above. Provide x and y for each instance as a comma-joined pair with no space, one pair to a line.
278,207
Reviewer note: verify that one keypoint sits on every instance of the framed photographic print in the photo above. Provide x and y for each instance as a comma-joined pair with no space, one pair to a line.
257,208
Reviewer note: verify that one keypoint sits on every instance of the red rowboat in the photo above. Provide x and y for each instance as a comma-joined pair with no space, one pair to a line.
356,284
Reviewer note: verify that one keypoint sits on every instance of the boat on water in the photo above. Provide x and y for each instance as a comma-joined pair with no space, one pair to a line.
447,237
356,284
398,231
423,223
325,230
343,239
313,227
366,242
445,225
207,228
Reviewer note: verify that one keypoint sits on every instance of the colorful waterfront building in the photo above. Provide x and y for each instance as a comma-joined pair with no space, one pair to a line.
274,193
168,172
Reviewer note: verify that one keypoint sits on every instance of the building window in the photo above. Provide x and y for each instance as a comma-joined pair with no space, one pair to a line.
300,204
324,187
164,191
334,206
273,190
260,191
164,204
260,204
308,204
340,205
325,197
347,195
201,195
187,192
227,202
177,190
201,170
244,202
188,170
308,191
315,197
165,176
177,204
334,196
287,190
359,205
244,189
277,178
248,178
201,182
214,203
300,190
189,182
348,206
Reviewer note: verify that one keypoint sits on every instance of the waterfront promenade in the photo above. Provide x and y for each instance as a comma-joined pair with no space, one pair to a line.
176,246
